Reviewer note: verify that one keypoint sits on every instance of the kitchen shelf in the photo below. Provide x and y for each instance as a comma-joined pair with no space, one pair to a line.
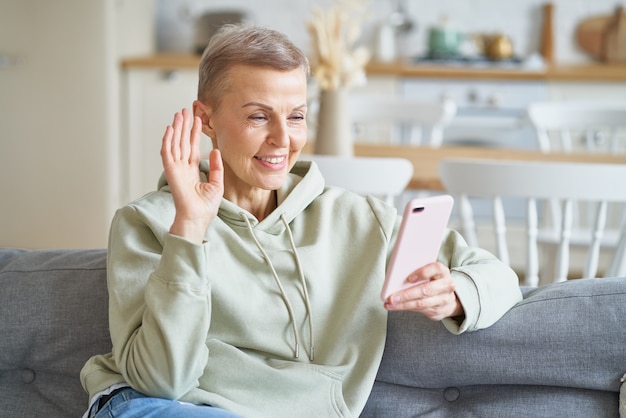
579,72
591,72
412,70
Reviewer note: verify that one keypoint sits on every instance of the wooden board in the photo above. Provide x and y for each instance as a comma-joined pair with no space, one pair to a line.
604,37
547,34
615,38
590,35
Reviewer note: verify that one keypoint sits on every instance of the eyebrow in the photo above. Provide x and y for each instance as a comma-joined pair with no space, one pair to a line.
302,106
258,104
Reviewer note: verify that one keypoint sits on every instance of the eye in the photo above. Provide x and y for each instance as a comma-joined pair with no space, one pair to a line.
258,117
297,117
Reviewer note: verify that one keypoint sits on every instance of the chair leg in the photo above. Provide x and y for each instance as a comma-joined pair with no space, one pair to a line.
617,267
562,261
500,230
591,267
467,221
532,230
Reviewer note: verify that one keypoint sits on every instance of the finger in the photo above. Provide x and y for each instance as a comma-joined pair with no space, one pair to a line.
178,126
430,289
423,296
166,145
432,271
442,304
196,137
216,172
185,135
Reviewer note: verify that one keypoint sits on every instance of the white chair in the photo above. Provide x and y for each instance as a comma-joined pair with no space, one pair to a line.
581,126
395,119
595,126
534,182
382,177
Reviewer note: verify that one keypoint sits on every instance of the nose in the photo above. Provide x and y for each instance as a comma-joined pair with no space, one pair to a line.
279,134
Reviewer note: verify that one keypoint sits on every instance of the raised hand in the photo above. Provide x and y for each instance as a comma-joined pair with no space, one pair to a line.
196,202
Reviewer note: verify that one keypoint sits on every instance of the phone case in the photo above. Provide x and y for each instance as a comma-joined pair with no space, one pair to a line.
424,222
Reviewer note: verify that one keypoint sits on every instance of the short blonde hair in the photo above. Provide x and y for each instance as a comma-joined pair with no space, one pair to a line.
236,44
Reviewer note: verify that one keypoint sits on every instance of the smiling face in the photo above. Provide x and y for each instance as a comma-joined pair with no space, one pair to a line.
260,128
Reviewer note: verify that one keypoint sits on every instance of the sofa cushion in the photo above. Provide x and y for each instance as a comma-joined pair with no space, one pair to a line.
568,334
489,401
53,307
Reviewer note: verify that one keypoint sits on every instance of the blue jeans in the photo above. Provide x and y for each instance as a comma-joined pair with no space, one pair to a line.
128,403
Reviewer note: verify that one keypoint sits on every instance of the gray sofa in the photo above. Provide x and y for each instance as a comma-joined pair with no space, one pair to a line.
560,353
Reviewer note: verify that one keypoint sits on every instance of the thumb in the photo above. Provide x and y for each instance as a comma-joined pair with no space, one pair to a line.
216,172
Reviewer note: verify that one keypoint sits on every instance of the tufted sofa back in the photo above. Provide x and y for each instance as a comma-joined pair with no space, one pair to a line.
53,317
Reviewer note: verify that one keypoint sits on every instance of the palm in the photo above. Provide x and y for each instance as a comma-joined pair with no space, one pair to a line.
196,202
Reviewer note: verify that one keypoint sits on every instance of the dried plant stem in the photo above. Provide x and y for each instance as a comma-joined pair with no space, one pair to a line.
336,59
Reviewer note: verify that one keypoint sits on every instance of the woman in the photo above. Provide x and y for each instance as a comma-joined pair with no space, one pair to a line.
250,288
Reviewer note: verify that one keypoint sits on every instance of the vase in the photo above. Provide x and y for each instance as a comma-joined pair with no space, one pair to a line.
334,126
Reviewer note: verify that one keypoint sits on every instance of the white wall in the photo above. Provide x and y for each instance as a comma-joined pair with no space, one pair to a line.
519,19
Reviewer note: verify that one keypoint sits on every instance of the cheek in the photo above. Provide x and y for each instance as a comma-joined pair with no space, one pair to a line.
229,139
299,135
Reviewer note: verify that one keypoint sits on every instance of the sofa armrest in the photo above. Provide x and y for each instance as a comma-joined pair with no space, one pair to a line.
568,334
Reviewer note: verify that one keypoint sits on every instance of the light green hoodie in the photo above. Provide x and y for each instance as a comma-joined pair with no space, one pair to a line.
222,323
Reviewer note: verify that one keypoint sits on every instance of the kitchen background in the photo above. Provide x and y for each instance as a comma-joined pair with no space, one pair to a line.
519,19
76,126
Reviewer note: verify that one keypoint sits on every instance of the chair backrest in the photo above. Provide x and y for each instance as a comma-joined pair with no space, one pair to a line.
400,119
534,182
382,177
580,125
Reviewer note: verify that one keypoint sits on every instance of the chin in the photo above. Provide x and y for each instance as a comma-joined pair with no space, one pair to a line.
275,182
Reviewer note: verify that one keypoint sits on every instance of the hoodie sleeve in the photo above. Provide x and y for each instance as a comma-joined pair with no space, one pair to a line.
159,306
486,287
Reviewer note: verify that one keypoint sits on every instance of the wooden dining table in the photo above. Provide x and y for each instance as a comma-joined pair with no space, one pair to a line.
426,159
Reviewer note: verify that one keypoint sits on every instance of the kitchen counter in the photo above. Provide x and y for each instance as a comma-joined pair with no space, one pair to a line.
426,160
592,72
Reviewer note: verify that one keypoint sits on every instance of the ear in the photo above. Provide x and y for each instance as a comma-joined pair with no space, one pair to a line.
205,113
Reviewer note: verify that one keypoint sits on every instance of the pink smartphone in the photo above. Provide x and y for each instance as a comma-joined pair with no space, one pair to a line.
424,223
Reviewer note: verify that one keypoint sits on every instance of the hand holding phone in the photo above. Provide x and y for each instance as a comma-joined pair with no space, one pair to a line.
424,223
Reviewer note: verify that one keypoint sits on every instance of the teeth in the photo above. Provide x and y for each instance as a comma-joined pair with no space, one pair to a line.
273,160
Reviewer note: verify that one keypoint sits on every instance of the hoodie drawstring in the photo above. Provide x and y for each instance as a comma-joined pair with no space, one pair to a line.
305,291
